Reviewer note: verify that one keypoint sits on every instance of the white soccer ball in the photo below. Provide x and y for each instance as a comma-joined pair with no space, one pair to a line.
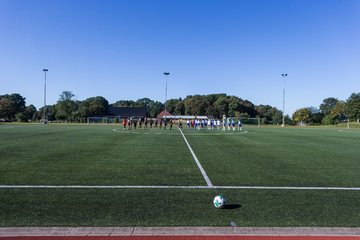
219,201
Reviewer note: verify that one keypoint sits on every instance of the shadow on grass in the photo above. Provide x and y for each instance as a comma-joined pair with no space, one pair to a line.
232,206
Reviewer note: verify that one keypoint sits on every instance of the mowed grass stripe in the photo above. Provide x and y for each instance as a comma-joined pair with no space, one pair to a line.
93,155
177,207
280,157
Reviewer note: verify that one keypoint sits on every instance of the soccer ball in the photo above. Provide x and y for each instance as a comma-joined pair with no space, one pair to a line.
219,201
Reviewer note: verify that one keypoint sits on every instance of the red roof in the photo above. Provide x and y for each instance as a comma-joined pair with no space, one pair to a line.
164,113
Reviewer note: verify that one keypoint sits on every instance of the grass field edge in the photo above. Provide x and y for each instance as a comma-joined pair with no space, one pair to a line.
173,231
173,187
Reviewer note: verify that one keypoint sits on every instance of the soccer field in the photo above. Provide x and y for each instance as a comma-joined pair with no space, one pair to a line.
80,175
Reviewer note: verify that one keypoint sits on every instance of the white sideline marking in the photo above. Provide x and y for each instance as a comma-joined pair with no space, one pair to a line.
98,186
207,179
348,131
174,187
289,188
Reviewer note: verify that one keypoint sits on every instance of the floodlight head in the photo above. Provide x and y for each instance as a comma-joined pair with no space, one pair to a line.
284,74
166,73
45,70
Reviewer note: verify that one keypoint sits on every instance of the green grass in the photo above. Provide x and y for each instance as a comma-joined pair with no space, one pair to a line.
281,157
174,207
97,155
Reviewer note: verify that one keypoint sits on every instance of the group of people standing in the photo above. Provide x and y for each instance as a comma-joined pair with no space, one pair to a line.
134,123
138,123
214,124
194,124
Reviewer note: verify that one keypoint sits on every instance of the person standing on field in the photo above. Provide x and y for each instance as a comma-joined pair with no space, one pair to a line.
180,125
224,122
239,125
171,123
124,123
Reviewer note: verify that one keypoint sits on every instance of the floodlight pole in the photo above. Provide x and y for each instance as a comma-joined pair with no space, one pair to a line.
284,75
44,113
166,79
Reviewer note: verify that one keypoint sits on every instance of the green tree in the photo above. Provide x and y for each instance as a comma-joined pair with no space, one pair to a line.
124,103
353,106
270,114
66,107
316,118
143,102
6,108
93,106
212,98
339,112
328,120
277,116
327,105
10,105
301,115
19,102
171,105
195,105
288,120
66,95
84,109
180,108
221,106
50,112
28,114
211,111
155,108
233,106
247,107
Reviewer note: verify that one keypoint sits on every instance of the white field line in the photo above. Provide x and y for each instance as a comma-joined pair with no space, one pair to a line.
207,179
174,187
348,131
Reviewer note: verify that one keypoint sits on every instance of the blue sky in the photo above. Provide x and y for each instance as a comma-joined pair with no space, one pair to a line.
120,49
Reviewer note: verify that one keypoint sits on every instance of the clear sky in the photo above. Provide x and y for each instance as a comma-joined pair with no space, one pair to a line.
119,49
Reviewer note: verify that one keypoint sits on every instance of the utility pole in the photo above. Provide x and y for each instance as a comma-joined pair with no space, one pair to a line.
166,80
44,113
284,75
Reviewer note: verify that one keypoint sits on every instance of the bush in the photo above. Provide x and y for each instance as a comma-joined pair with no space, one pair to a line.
328,120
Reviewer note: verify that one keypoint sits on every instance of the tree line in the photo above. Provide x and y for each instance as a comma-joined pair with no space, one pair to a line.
331,110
